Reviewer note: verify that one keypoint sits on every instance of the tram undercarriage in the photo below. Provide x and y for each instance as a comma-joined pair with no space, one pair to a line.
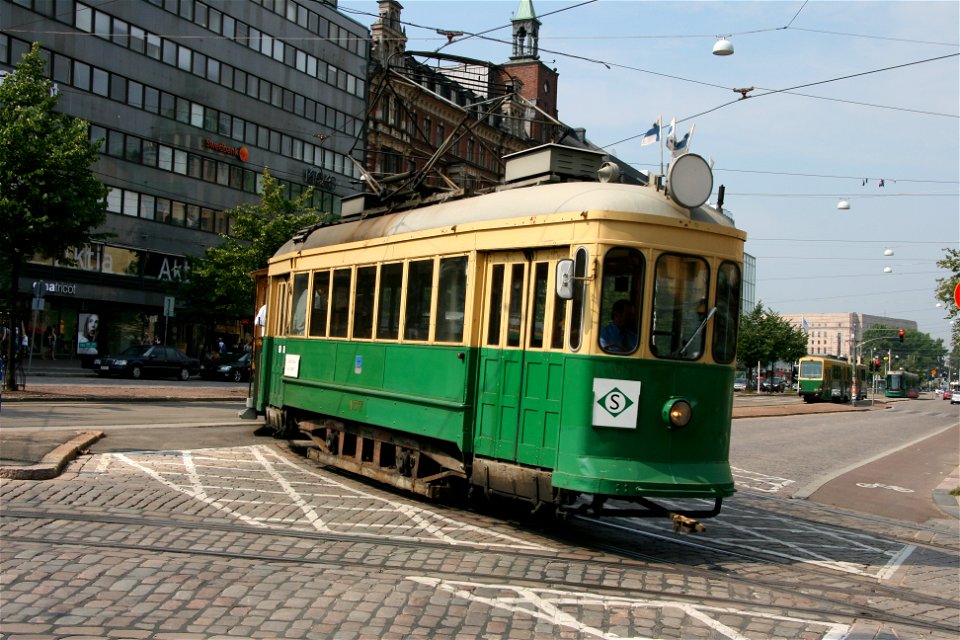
436,470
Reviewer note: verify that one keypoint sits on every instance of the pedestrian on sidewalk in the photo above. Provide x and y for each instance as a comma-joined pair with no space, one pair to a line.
50,340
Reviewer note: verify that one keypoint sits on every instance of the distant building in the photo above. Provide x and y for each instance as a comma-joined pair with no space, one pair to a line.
833,333
748,292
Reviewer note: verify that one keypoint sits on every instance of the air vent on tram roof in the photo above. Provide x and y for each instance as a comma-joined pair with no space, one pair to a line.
552,162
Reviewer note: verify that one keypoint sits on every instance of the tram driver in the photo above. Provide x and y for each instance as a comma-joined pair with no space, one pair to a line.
620,335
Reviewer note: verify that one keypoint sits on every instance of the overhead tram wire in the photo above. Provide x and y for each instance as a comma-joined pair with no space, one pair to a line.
788,90
468,36
611,65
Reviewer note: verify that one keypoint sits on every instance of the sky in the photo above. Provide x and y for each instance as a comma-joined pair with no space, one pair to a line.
852,100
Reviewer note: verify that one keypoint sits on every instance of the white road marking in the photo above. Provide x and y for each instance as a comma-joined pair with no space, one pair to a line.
759,481
547,604
262,471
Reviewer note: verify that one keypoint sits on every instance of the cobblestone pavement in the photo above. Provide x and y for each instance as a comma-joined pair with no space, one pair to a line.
255,541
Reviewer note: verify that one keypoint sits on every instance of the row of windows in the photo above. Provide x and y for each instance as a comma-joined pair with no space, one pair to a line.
294,12
139,40
180,214
377,302
127,35
110,85
425,300
159,156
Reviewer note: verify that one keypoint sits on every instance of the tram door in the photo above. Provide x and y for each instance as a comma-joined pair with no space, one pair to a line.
521,360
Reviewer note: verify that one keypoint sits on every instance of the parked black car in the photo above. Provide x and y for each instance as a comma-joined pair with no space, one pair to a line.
778,385
230,366
148,361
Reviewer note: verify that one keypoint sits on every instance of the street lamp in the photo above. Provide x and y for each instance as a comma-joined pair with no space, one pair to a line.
723,47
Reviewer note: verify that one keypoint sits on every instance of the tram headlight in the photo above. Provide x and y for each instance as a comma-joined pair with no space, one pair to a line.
677,413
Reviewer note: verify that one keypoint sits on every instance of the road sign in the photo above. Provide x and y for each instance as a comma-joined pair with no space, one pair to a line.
168,302
956,294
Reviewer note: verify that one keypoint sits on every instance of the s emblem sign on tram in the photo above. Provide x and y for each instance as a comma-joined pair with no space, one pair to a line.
615,403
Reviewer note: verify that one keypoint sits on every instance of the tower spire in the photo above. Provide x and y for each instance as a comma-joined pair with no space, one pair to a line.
526,32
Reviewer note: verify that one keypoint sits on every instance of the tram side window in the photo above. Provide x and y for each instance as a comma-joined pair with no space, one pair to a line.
363,302
679,307
579,297
559,322
620,295
727,318
538,312
388,307
321,301
451,299
298,319
340,304
515,304
495,306
419,296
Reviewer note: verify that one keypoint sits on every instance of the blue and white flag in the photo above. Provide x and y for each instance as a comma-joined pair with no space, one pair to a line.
681,146
805,325
651,136
670,133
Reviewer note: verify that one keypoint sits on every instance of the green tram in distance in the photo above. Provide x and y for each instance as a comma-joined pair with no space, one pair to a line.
902,384
823,378
560,340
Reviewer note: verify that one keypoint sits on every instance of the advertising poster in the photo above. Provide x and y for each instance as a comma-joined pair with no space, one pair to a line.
88,326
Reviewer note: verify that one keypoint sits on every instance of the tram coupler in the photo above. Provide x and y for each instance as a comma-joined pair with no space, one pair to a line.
687,525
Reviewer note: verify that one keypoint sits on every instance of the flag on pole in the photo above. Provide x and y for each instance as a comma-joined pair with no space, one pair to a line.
805,325
652,135
671,134
681,146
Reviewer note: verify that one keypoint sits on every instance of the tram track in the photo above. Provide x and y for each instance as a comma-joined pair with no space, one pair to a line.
829,602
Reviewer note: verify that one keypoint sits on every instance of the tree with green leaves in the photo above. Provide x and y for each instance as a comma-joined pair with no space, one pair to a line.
944,293
50,201
766,337
918,353
219,286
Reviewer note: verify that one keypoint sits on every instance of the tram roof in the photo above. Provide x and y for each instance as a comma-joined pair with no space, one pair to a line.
540,200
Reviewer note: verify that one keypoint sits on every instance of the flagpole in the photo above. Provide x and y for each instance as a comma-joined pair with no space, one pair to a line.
660,136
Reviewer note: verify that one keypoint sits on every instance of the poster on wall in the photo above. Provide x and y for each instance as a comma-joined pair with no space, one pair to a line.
88,326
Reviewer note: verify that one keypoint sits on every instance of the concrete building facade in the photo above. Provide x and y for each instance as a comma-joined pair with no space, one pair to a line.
193,100
836,333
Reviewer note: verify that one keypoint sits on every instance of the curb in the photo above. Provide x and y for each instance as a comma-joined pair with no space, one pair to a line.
53,463
947,503
121,399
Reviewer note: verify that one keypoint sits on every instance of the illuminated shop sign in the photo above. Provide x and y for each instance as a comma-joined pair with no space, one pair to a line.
242,153
60,288
118,261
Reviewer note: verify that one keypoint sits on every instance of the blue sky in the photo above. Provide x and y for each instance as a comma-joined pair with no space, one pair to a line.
871,112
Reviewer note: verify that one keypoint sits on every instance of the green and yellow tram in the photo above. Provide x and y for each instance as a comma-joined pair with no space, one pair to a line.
565,342
824,378
902,384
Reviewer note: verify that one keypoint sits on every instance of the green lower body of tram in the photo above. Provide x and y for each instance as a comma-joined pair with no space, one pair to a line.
435,419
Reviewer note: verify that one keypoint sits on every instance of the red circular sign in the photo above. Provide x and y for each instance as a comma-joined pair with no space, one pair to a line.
956,294
243,154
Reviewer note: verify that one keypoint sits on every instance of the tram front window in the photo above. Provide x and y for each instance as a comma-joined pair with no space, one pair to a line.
679,307
811,369
620,295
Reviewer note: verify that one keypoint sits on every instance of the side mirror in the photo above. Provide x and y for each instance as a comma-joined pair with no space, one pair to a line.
565,279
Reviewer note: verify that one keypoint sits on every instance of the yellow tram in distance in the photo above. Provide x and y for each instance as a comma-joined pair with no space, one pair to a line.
561,340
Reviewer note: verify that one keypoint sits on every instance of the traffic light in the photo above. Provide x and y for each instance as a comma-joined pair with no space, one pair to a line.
900,333
876,364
